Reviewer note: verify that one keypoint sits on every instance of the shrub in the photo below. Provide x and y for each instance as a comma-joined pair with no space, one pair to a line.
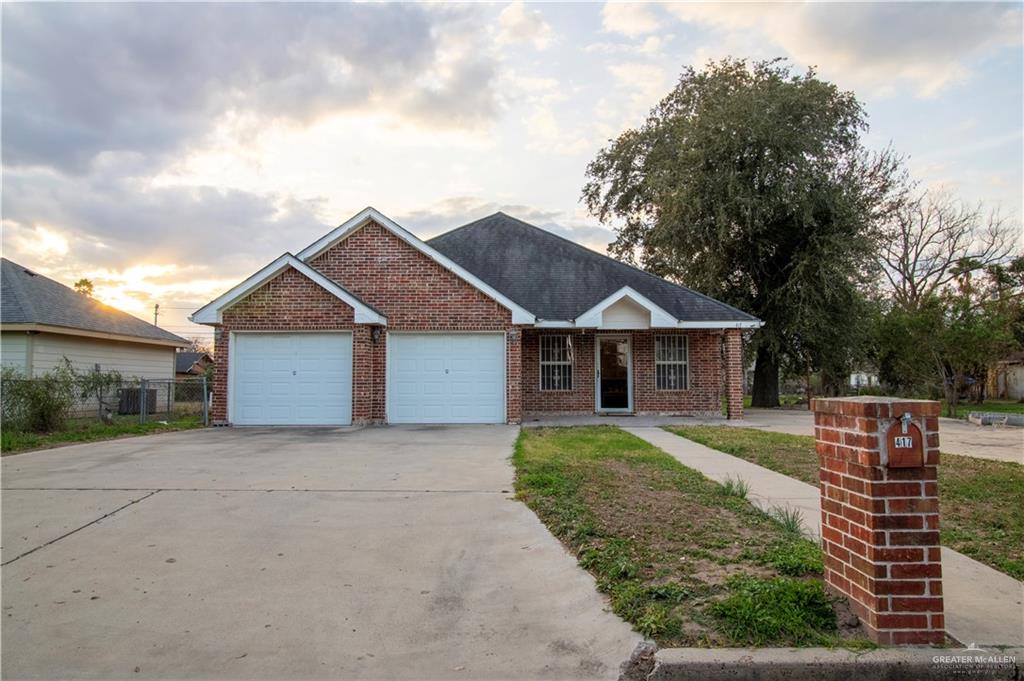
39,404
99,385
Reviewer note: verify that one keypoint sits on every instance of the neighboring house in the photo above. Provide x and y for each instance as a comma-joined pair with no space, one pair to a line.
1006,378
190,364
42,321
864,378
479,325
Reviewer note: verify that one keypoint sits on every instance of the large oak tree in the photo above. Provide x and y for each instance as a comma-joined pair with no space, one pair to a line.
751,183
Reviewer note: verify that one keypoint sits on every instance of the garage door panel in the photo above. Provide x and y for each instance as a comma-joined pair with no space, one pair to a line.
292,379
446,378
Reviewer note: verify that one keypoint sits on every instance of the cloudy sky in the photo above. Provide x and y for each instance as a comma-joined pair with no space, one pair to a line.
166,152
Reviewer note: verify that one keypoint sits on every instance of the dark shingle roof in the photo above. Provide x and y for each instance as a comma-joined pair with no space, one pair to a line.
27,297
557,279
183,361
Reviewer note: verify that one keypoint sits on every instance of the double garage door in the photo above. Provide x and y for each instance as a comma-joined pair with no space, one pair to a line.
306,378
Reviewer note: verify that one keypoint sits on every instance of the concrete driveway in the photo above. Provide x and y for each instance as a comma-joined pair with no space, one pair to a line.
288,553
955,436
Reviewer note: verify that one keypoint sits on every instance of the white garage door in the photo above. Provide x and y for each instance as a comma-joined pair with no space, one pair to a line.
292,379
446,378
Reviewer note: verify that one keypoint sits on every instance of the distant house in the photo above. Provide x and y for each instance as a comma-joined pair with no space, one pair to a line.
189,364
1006,378
42,321
864,378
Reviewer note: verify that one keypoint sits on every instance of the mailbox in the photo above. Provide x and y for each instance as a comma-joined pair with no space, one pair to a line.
905,444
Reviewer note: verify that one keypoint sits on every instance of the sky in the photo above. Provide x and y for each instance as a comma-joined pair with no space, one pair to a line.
166,152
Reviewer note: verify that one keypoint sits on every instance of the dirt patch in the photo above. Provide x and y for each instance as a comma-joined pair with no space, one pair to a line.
683,534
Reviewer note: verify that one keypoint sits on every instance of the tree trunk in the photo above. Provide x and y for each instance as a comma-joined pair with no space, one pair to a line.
810,389
952,389
766,379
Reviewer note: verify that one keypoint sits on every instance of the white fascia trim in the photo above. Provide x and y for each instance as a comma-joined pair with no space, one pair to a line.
555,324
754,324
520,315
660,319
212,312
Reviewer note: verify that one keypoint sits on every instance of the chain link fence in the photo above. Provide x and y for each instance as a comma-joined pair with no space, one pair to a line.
155,400
58,401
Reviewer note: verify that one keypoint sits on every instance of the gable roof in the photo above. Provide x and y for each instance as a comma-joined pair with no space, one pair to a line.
559,280
28,299
184,361
520,314
212,311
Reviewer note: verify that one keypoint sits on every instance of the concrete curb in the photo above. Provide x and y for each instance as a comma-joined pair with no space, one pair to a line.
824,664
988,418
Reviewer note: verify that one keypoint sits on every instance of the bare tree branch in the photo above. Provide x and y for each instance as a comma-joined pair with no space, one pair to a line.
935,238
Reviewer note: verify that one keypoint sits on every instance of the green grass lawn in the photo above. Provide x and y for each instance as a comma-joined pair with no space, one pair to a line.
686,561
997,406
980,501
90,430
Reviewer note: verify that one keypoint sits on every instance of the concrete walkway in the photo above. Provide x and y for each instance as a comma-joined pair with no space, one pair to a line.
982,605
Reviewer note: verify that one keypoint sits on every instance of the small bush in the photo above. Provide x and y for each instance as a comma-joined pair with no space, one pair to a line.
775,611
735,487
40,404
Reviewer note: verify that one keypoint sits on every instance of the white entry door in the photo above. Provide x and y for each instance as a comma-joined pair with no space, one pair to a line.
446,378
289,379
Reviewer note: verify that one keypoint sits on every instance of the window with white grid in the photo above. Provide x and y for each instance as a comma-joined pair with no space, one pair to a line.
671,366
555,363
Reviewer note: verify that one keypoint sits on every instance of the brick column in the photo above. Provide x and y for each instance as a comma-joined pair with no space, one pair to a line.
514,375
219,412
880,513
363,352
733,368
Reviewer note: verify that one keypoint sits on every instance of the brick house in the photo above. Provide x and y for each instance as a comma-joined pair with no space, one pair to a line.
482,324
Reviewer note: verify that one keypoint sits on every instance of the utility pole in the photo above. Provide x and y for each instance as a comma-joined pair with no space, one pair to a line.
156,312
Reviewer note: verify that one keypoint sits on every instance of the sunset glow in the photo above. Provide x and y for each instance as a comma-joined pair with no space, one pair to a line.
179,174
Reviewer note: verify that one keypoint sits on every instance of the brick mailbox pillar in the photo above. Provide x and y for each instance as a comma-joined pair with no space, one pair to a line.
880,513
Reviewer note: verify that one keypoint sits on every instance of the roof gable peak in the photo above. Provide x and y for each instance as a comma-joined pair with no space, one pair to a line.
212,312
520,315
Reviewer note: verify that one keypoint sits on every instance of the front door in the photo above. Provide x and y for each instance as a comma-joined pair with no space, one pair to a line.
614,374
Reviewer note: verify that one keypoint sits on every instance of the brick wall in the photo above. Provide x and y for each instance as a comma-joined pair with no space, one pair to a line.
413,291
880,525
578,400
733,372
514,375
288,302
702,397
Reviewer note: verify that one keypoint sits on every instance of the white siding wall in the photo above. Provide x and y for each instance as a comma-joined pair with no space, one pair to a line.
13,345
133,360
626,314
1011,383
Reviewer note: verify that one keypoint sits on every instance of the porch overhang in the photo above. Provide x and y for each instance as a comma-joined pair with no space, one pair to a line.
627,309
